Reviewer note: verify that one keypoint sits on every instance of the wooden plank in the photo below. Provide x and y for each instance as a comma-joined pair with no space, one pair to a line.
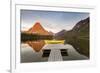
55,55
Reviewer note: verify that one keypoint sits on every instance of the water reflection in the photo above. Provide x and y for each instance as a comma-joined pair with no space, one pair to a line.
36,45
39,55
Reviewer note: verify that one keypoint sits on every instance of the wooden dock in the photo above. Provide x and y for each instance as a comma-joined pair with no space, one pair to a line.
55,55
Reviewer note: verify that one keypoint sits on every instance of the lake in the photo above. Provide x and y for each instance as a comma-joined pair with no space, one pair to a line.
36,52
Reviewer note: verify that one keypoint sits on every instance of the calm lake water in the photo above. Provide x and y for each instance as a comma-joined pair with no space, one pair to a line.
28,54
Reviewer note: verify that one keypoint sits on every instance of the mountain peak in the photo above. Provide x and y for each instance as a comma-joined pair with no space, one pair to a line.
38,29
37,24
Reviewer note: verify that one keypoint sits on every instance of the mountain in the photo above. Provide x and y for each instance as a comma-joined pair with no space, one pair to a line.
38,29
35,36
78,37
51,33
81,28
60,35
83,24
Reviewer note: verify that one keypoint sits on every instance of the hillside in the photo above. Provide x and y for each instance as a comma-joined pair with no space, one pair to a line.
78,36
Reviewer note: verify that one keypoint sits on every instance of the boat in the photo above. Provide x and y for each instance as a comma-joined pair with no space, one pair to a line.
54,41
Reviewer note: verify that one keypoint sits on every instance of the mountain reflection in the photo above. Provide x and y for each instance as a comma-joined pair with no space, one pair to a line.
36,45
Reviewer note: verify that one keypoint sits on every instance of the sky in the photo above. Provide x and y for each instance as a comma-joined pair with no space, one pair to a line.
51,20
